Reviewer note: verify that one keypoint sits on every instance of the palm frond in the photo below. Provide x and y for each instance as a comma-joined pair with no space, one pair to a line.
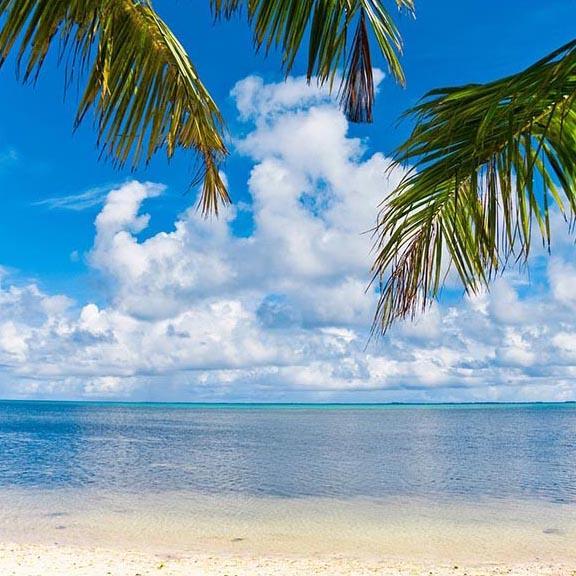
487,162
325,24
358,89
141,85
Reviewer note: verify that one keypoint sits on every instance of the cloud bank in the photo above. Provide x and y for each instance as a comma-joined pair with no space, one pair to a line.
198,313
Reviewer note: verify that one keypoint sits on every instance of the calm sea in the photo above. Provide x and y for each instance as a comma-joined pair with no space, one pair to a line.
469,451
339,466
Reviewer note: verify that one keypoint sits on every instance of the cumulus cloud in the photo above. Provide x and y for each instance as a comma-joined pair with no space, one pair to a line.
197,312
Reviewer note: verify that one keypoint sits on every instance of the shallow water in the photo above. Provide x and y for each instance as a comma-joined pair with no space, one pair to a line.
494,481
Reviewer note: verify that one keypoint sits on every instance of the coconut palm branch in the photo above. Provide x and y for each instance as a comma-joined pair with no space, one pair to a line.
285,23
143,89
488,161
140,84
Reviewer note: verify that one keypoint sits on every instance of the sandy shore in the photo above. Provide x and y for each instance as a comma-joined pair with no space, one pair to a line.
58,533
43,560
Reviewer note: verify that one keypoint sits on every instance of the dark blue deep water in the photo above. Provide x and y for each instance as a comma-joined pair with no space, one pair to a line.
495,451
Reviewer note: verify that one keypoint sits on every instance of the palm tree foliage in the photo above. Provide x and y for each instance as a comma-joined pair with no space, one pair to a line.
487,162
284,24
141,85
145,92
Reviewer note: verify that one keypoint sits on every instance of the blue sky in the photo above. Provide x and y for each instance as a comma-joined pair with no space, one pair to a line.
77,308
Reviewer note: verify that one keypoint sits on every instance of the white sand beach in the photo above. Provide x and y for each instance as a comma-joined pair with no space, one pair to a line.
44,560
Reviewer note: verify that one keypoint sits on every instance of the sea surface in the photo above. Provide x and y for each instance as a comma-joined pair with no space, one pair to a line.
491,479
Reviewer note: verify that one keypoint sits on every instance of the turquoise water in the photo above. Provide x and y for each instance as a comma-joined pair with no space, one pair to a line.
519,451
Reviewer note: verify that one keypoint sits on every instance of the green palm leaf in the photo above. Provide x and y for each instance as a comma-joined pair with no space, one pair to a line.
326,23
487,162
141,85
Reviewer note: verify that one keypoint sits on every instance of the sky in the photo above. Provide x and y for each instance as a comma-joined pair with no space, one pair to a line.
113,287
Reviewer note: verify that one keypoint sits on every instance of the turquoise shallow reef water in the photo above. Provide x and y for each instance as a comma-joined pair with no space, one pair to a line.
490,479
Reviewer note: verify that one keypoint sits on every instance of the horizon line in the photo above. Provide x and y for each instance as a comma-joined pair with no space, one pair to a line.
271,403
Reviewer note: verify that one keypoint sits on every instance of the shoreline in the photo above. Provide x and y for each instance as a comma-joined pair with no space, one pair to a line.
81,533
57,560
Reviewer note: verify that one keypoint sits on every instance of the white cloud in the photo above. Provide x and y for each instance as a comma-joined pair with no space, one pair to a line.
504,304
77,202
562,276
256,100
195,312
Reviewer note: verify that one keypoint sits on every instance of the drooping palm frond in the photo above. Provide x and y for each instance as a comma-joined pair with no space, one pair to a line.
358,88
487,162
141,85
285,24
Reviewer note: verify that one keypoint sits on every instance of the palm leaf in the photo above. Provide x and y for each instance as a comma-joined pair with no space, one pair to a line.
141,86
487,162
286,24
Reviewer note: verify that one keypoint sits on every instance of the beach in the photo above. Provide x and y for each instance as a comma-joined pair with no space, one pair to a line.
104,490
67,534
315,312
36,560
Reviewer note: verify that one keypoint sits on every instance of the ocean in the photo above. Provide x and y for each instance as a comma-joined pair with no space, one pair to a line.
394,477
